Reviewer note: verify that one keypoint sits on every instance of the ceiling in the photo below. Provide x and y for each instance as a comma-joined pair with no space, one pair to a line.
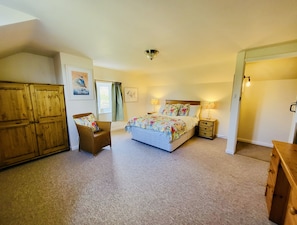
273,69
115,34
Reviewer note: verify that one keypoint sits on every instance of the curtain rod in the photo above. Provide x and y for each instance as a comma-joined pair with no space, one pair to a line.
114,82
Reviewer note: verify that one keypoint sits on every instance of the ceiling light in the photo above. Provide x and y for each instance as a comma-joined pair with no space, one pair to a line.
151,53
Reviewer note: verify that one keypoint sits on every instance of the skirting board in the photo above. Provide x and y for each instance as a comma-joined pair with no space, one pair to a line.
269,145
73,148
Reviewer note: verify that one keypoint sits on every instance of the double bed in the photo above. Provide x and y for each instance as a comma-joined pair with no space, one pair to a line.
168,129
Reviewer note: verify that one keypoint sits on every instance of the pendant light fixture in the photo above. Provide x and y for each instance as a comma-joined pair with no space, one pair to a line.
151,53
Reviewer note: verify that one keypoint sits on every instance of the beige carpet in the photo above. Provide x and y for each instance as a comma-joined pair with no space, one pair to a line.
136,184
253,151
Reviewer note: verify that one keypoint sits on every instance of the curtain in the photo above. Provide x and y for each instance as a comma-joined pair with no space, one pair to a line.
117,102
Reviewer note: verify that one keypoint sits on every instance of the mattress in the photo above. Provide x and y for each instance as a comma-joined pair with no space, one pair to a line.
160,139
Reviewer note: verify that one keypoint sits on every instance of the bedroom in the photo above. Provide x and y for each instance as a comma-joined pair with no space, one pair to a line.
210,79
220,92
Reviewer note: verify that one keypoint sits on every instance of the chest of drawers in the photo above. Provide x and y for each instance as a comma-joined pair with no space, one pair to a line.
281,188
207,128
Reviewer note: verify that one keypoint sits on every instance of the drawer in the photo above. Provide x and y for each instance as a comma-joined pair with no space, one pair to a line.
291,213
205,129
271,179
269,196
205,134
274,157
206,123
273,168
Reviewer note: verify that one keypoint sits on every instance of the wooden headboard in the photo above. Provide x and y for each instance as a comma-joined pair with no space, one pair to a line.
182,102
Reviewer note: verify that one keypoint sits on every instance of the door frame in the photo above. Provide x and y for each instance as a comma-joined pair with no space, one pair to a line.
280,50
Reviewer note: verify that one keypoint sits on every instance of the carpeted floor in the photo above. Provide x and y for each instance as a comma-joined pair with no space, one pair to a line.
136,184
253,151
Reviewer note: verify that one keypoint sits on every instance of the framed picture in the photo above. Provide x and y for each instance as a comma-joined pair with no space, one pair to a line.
131,94
80,83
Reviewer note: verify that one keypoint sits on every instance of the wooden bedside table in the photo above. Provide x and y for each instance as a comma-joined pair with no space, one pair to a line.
207,128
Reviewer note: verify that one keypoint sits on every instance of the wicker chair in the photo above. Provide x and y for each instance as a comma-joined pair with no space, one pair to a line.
91,141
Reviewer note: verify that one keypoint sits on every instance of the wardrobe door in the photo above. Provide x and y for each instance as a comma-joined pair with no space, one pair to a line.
17,131
50,118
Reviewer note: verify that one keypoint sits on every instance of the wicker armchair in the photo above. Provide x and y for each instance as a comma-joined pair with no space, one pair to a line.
91,141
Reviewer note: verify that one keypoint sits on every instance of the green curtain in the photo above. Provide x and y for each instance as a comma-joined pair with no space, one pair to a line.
117,102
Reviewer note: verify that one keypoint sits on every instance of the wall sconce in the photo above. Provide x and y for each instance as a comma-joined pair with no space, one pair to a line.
155,102
209,106
151,53
248,83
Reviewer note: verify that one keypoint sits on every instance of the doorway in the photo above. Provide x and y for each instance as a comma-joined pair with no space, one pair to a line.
264,109
283,50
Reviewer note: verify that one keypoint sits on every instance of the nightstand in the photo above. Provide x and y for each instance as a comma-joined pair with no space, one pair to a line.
207,128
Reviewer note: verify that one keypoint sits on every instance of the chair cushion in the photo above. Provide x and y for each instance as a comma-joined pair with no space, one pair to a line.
89,121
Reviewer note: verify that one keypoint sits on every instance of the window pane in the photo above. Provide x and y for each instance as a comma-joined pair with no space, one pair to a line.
104,98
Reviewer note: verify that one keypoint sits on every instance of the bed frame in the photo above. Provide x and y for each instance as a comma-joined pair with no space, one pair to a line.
160,140
182,102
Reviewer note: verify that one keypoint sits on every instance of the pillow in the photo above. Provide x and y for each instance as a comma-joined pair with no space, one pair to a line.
171,109
89,121
161,109
194,110
184,110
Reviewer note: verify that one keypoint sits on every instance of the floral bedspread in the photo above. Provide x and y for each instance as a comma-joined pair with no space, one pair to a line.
173,127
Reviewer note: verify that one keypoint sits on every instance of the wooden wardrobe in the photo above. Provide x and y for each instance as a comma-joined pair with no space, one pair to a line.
32,122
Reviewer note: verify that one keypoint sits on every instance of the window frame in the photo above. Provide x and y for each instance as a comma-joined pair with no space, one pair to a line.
99,85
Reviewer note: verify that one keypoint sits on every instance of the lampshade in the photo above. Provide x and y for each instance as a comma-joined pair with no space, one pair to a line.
154,101
210,105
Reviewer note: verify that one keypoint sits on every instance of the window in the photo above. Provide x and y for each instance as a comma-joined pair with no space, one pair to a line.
104,101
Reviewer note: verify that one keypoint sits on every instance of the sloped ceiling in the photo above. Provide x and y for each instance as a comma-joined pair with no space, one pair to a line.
115,34
274,69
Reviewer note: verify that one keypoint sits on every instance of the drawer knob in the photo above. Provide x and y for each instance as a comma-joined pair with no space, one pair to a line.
293,211
272,155
270,171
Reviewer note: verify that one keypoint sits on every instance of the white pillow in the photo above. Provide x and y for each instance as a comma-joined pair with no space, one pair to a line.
161,109
194,110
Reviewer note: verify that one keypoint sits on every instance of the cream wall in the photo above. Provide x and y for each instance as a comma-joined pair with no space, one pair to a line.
264,113
73,106
217,72
26,67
